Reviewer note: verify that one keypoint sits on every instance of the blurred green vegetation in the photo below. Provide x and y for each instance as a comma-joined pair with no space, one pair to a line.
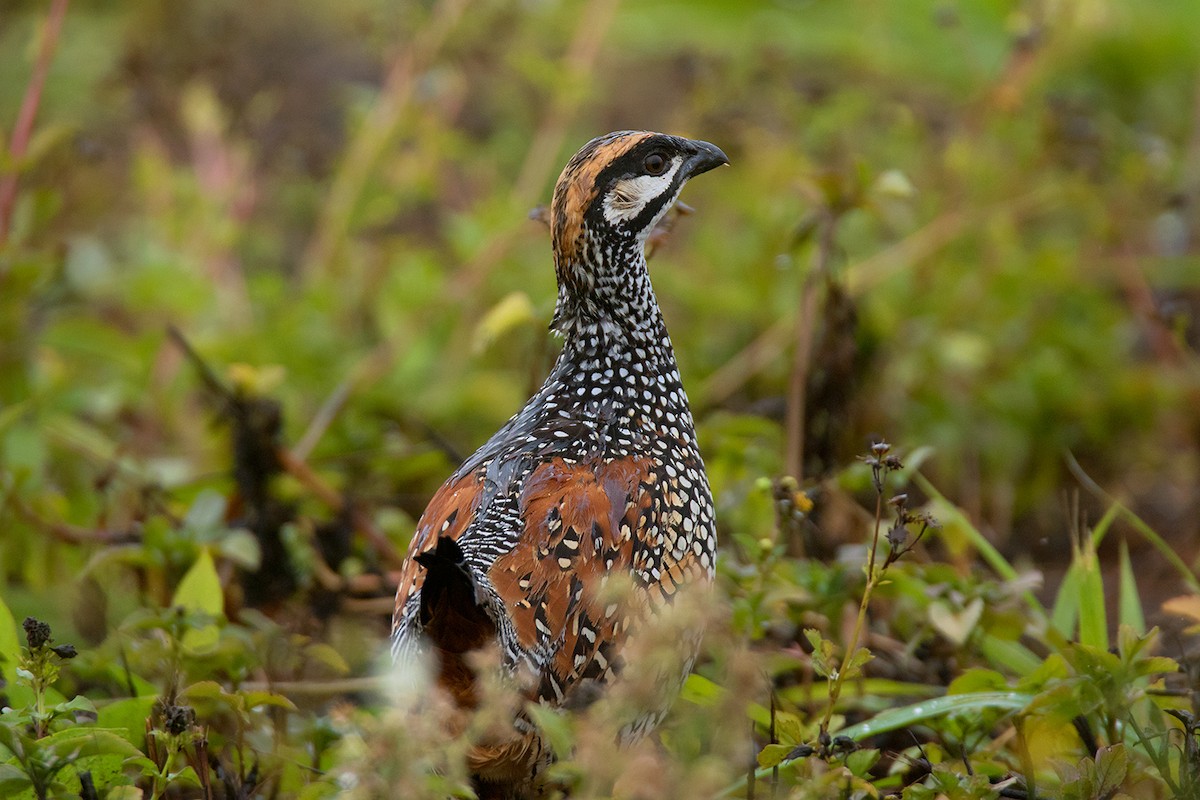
988,210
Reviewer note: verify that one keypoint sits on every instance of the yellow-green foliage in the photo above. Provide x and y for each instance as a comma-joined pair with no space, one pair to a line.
980,217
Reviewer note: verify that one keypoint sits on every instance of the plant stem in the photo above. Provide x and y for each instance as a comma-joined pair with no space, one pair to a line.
23,129
835,688
804,334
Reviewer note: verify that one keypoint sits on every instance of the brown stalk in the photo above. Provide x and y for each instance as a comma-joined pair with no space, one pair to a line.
23,129
804,333
315,688
299,469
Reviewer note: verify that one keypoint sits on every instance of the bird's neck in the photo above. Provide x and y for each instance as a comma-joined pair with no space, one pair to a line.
606,305
617,362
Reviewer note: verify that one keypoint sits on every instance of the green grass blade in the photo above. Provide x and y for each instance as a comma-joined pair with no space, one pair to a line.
1138,524
1065,614
895,718
1093,617
1129,608
1010,655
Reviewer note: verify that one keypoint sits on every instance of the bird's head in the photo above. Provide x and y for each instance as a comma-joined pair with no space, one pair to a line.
611,195
618,186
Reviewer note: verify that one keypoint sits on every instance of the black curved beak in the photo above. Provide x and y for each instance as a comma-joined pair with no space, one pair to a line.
707,156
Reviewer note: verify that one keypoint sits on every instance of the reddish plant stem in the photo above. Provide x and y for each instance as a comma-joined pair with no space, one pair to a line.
23,130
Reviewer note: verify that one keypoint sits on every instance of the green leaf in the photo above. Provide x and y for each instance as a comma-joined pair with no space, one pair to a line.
13,780
773,754
977,680
204,690
1129,602
951,515
956,625
857,661
860,762
127,715
200,590
10,654
1112,765
84,740
514,310
126,792
260,698
329,656
1065,613
824,654
206,513
554,725
240,547
1093,616
895,718
701,691
1009,654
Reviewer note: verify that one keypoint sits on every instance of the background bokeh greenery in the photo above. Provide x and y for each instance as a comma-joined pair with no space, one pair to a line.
332,200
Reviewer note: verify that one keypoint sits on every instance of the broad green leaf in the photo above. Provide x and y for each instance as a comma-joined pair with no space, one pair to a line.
773,754
200,590
701,691
204,690
13,781
128,715
10,654
1112,764
86,740
860,761
261,698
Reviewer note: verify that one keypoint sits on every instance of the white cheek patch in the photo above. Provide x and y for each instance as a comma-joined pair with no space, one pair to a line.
630,196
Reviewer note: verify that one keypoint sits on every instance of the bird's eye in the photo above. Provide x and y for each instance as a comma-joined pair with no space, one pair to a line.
655,164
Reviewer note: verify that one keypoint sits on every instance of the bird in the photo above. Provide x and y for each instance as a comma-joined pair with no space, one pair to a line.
598,475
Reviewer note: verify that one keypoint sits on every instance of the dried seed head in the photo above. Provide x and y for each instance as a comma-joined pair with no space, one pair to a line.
177,719
37,633
66,651
845,744
897,536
